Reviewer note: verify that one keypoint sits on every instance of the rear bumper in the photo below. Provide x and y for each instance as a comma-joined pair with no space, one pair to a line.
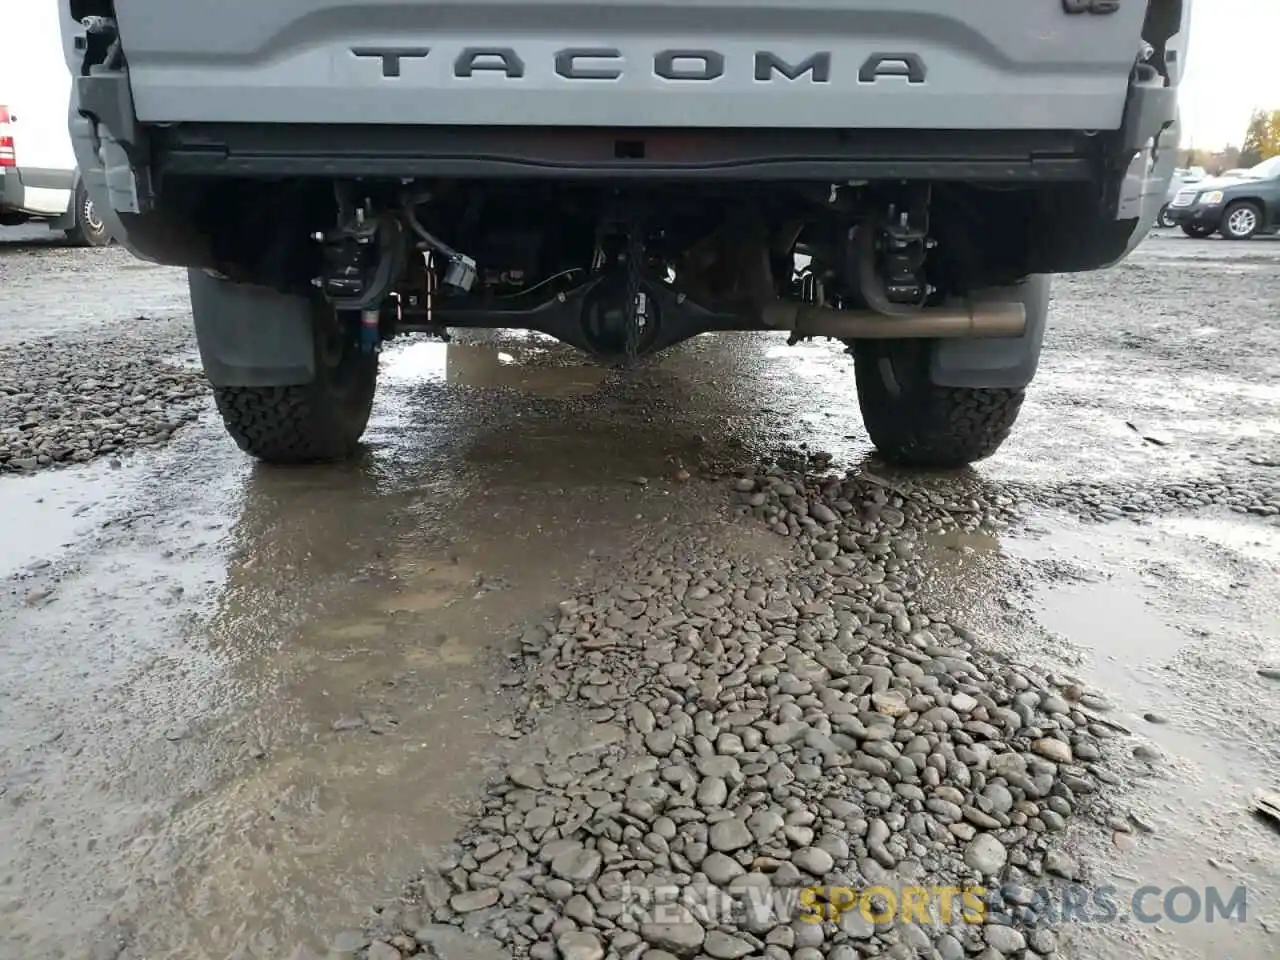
251,150
26,189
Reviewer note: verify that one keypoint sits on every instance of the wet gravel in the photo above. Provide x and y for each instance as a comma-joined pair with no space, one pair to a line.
1247,493
744,730
74,399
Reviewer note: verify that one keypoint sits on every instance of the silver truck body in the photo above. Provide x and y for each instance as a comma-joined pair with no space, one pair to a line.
921,64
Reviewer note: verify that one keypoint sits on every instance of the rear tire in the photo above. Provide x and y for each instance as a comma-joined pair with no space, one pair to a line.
320,421
89,229
916,423
1164,220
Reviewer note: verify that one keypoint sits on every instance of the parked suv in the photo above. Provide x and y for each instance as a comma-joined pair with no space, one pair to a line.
625,175
1238,207
1182,176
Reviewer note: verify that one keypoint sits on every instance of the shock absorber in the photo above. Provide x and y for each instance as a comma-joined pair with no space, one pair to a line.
888,253
902,266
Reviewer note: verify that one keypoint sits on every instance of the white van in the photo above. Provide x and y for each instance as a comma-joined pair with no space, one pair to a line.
38,176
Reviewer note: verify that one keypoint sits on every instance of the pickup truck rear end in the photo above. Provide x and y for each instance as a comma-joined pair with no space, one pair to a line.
625,175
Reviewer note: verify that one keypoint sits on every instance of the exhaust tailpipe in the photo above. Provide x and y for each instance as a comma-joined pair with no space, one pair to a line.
974,320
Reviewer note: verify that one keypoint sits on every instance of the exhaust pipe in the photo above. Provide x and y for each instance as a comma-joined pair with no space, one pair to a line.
974,320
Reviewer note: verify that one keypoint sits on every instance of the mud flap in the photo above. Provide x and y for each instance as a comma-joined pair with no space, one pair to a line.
251,336
999,363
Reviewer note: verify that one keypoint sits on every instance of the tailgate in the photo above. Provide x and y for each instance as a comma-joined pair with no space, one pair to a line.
922,64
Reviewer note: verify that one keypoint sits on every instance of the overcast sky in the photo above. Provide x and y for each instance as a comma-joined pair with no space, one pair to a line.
1233,66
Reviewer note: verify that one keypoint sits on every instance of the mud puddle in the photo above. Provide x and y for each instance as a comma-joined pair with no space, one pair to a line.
1173,618
249,712
254,699
532,364
47,512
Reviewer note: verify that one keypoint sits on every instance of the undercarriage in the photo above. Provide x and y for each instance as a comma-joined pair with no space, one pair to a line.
936,280
291,321
618,271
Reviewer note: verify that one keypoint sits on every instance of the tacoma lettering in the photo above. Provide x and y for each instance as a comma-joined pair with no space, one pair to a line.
817,66
391,56
567,63
497,59
681,65
667,65
892,65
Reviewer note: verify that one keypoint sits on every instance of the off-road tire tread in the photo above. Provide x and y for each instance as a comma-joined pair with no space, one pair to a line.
296,424
931,426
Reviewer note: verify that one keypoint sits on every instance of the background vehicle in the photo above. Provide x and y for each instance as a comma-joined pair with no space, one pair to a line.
625,176
1181,177
38,174
1236,207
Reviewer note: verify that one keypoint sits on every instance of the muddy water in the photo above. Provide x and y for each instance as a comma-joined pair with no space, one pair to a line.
1174,619
238,705
241,703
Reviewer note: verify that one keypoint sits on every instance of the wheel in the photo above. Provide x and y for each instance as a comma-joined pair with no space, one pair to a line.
314,422
1241,220
917,422
1164,220
1197,231
89,230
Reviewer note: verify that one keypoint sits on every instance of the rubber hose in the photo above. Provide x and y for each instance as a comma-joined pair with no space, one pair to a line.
434,242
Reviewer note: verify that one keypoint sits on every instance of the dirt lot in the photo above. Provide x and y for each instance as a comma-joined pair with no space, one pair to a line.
566,634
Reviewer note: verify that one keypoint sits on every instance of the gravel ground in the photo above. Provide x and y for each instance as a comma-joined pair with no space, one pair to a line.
74,399
625,660
73,391
747,728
